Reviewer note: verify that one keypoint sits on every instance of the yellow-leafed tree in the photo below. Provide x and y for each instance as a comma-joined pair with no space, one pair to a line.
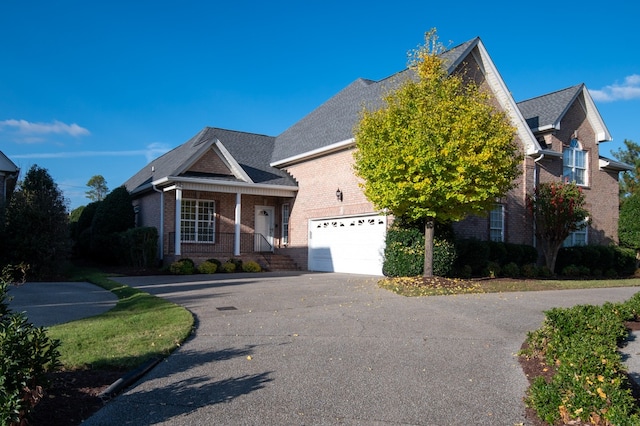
437,149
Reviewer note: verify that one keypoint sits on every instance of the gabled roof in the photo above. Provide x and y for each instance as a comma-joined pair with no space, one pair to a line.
6,165
331,125
245,154
547,111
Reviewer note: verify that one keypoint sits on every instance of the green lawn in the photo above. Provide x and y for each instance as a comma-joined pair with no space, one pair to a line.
138,328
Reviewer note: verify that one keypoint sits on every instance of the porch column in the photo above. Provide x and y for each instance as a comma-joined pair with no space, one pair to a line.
236,238
177,221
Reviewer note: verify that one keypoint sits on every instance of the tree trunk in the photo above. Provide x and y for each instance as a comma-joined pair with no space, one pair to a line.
428,247
551,250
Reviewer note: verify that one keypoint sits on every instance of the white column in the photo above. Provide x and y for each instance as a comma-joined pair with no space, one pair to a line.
236,238
161,230
177,220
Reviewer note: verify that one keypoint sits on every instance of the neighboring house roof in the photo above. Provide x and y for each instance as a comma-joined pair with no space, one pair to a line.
547,111
245,154
331,125
6,165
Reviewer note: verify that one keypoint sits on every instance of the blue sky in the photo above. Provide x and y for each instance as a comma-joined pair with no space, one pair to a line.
96,87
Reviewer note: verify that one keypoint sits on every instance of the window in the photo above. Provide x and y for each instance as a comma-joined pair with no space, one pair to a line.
285,224
574,161
577,238
496,223
198,221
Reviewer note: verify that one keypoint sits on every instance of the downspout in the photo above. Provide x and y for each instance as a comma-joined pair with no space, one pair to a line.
161,231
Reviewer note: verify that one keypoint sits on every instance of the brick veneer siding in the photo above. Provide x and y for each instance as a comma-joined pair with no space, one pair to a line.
210,162
601,189
318,180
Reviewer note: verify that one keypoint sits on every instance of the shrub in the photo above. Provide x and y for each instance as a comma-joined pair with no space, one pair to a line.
544,271
251,266
493,270
590,381
530,270
511,269
183,266
113,215
27,354
207,267
570,271
474,253
141,245
404,252
237,262
228,267
444,256
216,261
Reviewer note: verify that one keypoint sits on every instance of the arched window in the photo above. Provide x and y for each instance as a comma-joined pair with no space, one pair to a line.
574,161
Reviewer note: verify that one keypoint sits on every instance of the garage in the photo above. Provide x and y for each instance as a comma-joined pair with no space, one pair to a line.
347,244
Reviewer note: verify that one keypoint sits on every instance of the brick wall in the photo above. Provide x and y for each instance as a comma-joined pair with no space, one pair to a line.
210,162
601,190
318,181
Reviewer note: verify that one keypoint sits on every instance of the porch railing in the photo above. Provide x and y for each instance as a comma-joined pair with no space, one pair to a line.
224,243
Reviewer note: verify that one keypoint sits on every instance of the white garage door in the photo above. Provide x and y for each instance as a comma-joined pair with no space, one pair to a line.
348,244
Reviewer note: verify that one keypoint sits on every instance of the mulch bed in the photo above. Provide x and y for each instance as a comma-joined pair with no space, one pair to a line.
73,397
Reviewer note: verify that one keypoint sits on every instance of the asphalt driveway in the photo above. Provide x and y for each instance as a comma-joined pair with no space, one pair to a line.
323,349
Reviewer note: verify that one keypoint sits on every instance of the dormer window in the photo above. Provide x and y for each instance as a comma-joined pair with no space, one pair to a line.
574,161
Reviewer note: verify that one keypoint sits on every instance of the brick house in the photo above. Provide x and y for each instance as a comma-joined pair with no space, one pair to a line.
225,193
8,178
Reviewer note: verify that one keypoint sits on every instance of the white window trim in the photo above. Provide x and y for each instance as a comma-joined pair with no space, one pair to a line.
285,223
501,228
198,204
570,241
575,147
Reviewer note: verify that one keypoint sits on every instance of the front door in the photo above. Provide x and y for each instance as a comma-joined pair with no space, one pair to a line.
265,220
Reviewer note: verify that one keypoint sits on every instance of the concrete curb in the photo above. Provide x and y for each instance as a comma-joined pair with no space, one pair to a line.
128,379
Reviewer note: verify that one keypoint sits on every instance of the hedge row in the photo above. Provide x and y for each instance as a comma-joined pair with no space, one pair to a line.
404,256
609,261
580,344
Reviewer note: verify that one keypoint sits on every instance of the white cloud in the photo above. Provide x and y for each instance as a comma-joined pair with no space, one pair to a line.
56,127
629,89
151,152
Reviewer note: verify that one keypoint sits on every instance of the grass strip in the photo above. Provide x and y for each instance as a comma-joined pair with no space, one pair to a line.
140,327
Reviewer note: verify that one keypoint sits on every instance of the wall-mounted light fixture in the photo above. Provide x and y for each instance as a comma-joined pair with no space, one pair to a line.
339,194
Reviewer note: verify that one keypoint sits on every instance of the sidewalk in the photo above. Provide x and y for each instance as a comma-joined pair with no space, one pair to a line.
51,303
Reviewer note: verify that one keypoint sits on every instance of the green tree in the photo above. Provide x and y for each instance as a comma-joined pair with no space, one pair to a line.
437,150
629,223
37,220
558,210
630,182
112,215
98,188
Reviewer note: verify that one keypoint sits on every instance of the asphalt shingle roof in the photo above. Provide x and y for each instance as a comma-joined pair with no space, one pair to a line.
251,151
548,110
334,120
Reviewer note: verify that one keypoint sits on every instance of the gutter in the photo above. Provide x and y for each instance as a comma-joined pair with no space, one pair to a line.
314,153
